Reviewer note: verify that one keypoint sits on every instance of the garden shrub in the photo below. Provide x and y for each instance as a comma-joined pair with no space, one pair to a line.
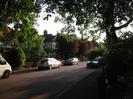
11,56
22,56
95,53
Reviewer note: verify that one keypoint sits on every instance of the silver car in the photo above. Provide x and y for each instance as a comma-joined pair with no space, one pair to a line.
71,61
48,63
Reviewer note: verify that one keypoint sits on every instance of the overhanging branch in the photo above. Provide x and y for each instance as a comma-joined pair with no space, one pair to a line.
124,25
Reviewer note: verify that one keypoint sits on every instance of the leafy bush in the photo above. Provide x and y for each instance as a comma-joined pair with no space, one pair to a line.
95,53
11,56
22,56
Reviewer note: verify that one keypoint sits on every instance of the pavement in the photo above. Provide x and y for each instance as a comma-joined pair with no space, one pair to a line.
87,88
24,70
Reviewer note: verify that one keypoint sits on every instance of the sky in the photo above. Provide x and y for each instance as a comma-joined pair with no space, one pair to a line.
48,25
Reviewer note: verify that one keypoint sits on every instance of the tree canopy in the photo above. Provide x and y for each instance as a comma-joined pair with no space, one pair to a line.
10,10
71,46
22,15
108,13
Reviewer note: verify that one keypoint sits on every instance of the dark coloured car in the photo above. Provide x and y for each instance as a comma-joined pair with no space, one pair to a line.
94,63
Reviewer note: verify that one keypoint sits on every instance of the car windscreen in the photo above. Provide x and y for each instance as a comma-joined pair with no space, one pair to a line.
97,59
2,60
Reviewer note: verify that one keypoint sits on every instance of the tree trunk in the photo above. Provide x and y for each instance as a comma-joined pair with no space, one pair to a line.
112,40
108,18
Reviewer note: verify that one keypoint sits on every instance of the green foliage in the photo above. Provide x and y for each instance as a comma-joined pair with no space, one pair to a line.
82,10
25,40
2,37
68,21
68,45
22,56
11,56
95,52
99,50
91,30
23,14
125,52
12,9
28,38
38,49
69,38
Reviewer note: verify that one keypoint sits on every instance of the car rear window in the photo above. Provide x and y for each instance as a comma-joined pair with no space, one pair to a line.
44,60
70,59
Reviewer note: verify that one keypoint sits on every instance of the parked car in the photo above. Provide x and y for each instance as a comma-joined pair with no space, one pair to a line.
94,63
71,61
48,63
5,68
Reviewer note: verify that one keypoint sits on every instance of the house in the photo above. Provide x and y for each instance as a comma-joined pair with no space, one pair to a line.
50,41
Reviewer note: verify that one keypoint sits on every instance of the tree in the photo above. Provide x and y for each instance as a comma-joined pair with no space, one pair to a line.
68,45
22,14
25,40
69,23
87,31
28,39
110,11
85,47
11,9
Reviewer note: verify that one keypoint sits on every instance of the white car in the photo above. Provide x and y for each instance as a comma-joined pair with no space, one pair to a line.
48,63
5,68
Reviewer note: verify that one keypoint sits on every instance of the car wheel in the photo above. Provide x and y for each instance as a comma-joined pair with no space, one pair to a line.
50,67
59,66
76,63
6,74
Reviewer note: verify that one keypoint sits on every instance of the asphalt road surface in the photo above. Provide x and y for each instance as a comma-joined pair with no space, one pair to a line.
46,84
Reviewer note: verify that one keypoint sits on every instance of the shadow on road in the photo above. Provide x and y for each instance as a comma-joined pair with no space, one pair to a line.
87,88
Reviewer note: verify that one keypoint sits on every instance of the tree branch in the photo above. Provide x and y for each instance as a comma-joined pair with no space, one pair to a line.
124,25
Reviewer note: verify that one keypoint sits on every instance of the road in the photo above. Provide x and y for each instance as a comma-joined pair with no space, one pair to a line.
47,84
